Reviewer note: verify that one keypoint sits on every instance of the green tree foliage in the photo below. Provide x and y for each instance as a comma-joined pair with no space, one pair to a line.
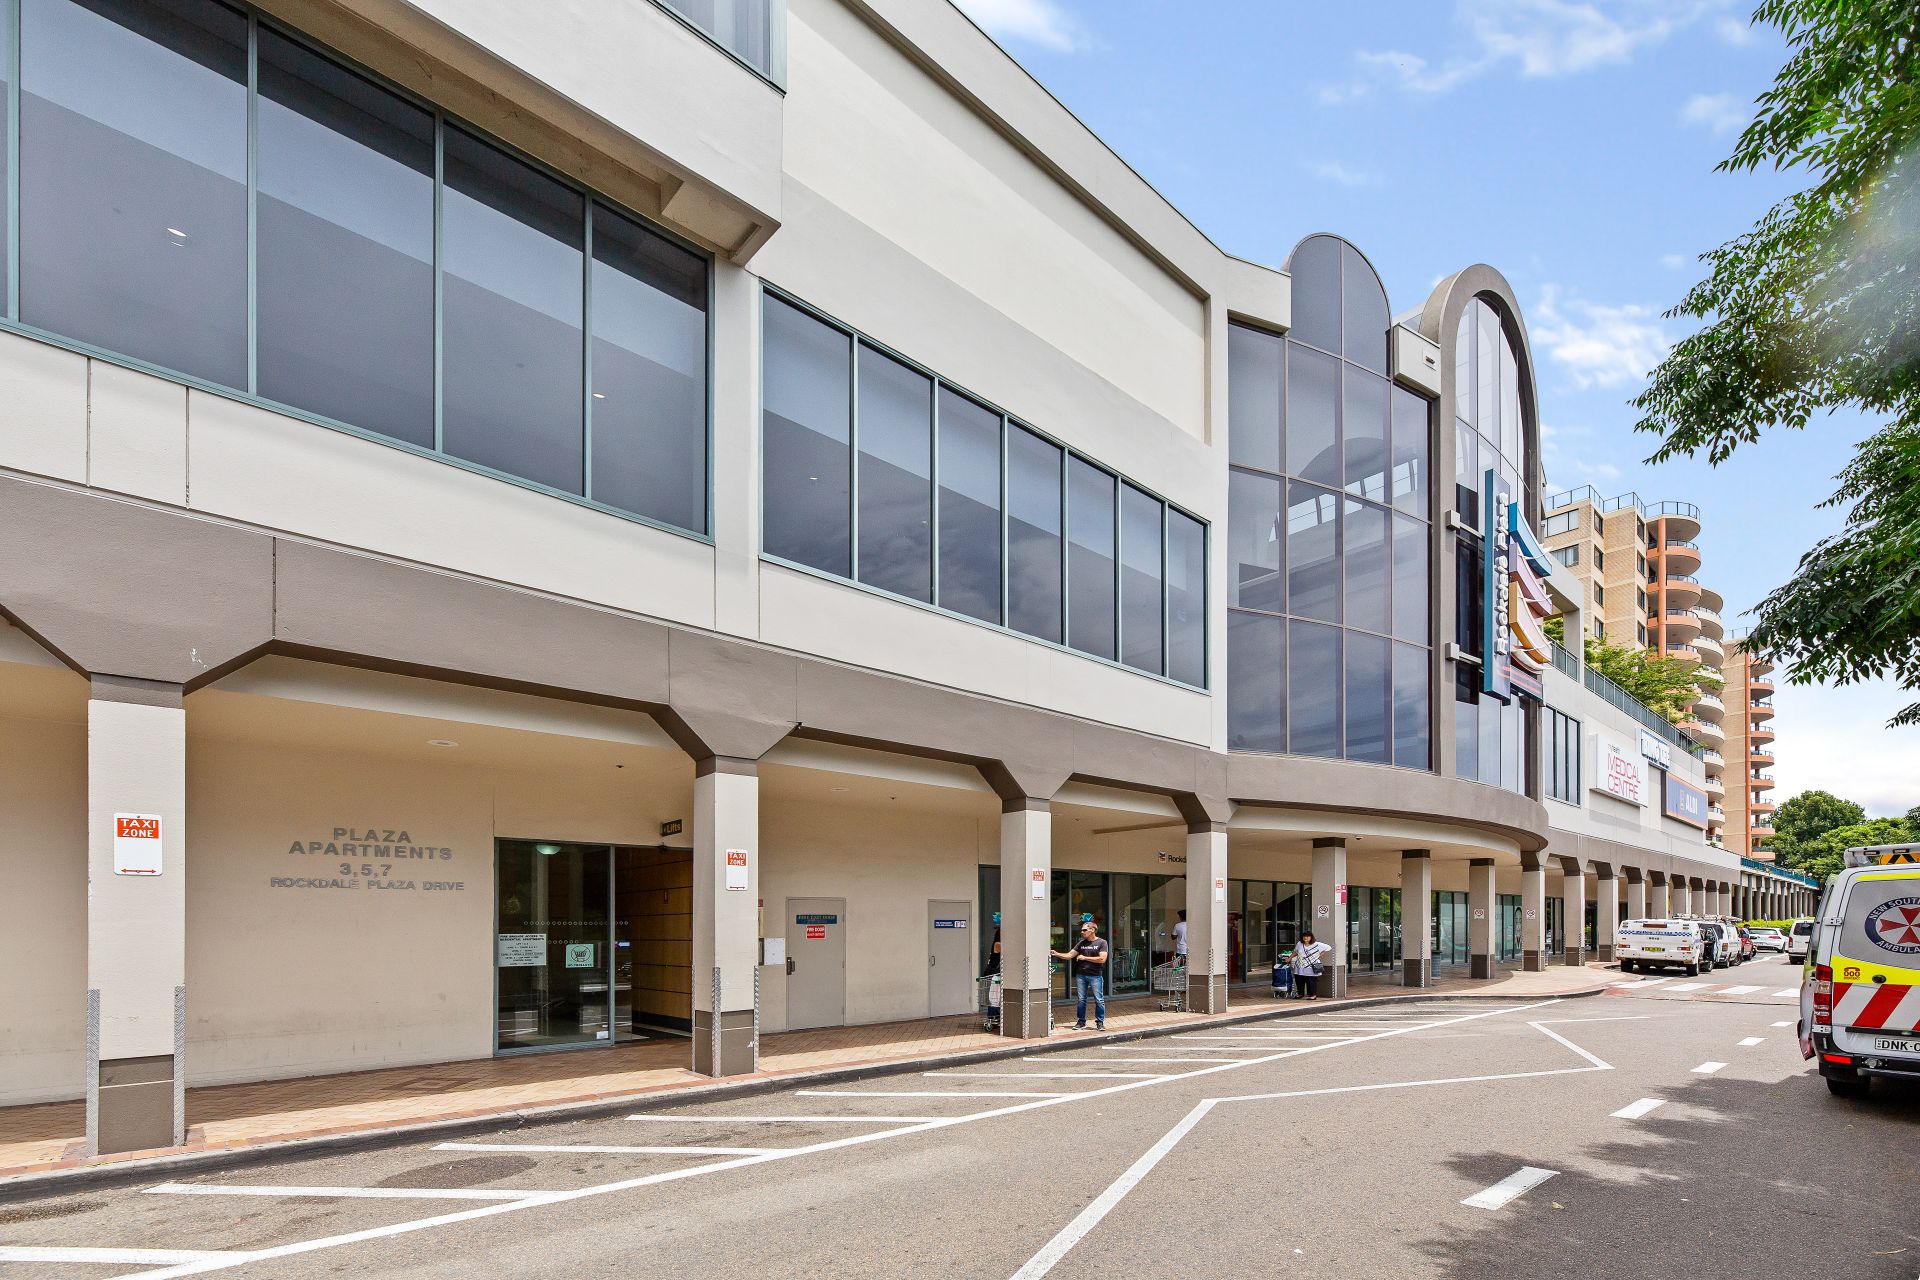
1814,310
1823,855
1804,818
1667,685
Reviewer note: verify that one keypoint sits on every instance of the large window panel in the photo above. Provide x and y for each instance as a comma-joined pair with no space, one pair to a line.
649,403
1142,580
1410,453
807,440
895,480
1364,312
1034,597
344,241
1313,435
969,529
1091,607
1315,268
1364,429
1369,682
1313,689
1368,559
1186,599
1257,674
133,180
1254,375
1412,708
1313,552
6,160
512,352
1410,597
1254,580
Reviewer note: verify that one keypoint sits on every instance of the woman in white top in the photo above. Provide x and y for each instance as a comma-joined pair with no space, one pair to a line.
1306,964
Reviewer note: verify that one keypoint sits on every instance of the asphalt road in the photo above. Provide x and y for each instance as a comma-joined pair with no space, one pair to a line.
1653,1132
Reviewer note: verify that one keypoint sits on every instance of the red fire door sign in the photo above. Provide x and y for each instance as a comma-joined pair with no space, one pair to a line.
816,932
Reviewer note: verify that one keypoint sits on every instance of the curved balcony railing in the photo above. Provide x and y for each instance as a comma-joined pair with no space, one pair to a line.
1710,756
1686,578
1682,544
1660,509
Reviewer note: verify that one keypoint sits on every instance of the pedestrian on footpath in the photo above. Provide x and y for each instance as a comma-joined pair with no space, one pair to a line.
1306,964
1089,956
1180,940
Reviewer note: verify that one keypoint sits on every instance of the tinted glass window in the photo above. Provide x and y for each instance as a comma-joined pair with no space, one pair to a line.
1369,680
1315,267
1369,564
344,236
512,353
969,507
1313,552
895,484
806,444
649,403
1253,542
1410,605
1313,439
1411,707
1186,598
1033,535
1363,425
1090,562
1257,672
1313,689
1410,453
1142,580
133,180
6,131
1364,305
1254,363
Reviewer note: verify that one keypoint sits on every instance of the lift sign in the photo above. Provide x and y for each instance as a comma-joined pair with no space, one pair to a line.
136,844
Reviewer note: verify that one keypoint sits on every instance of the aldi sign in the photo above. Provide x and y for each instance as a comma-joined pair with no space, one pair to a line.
1686,803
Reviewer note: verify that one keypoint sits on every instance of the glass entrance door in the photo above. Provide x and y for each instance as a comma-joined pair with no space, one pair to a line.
554,945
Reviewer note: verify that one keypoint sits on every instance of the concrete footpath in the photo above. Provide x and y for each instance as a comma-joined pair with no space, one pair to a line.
42,1148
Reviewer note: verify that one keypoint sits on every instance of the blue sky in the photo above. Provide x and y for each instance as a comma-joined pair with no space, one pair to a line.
1571,144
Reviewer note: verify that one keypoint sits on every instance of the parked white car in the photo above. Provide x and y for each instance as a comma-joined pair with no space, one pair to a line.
1768,938
1799,938
1667,943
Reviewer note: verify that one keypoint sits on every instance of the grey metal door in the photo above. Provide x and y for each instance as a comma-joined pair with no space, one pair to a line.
816,962
949,957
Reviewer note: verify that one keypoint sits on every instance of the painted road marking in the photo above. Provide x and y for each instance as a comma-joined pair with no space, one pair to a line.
594,1149
786,1119
339,1193
1689,986
1781,1024
1708,1068
1509,1188
1132,1060
926,1093
1634,1110
1738,991
156,1257
1051,1075
1790,991
1749,1042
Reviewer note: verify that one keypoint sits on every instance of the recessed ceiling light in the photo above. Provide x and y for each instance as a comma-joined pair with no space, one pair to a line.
839,790
175,231
441,742
599,395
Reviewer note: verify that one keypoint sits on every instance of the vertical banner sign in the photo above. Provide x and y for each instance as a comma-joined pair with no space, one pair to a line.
1039,886
736,871
136,844
1340,894
1514,567
1494,665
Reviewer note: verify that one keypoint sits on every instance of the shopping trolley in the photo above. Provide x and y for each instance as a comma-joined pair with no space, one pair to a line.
1170,984
991,995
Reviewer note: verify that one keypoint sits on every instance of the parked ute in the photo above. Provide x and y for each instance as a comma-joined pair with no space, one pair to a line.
1644,945
1860,998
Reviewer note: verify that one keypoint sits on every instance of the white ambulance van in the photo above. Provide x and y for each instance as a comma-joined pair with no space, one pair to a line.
1667,943
1860,998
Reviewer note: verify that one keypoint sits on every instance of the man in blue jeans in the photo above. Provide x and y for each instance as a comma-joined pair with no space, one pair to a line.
1089,956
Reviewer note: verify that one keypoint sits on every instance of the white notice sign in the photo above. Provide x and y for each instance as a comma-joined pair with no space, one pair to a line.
1219,890
136,844
736,871
1039,885
523,950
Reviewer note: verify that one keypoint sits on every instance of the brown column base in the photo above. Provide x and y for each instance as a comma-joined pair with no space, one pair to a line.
1417,973
136,1104
1574,956
1024,1015
1480,966
1533,961
739,1054
1604,953
1206,993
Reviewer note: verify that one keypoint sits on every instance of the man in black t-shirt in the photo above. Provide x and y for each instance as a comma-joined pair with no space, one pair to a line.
1089,956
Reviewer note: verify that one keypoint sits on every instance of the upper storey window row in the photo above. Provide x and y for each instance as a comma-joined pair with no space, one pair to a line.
880,472
207,196
750,30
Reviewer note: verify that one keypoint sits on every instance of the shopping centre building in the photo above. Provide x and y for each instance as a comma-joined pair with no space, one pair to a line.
518,533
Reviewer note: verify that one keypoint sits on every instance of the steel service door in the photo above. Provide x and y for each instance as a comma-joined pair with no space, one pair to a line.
816,963
949,958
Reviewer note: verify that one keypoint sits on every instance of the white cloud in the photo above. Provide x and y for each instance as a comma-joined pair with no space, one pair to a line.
1041,22
1598,345
1675,261
1538,39
1836,739
1343,175
1715,112
1564,453
1734,31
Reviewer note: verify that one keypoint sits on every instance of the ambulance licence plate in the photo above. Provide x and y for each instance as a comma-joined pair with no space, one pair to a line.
1655,950
1896,1044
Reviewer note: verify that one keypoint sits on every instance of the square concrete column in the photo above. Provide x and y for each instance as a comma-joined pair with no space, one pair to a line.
1026,898
1573,915
1659,899
1533,917
1330,911
1483,917
726,916
1606,916
1636,895
136,915
1207,917
1416,917
1726,899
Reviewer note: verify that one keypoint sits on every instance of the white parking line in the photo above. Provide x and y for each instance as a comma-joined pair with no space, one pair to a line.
1124,1061
1634,1110
1780,1024
786,1119
154,1257
340,1193
1689,986
1051,1075
596,1149
1509,1188
1738,991
1708,1068
1749,1042
924,1093
1789,991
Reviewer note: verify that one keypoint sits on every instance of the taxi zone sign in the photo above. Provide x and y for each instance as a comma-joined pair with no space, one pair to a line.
136,844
